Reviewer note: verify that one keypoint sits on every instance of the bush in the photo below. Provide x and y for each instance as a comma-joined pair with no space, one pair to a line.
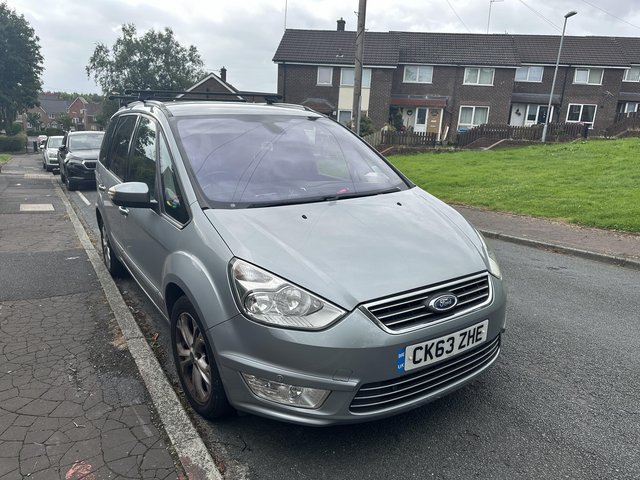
50,132
15,143
14,129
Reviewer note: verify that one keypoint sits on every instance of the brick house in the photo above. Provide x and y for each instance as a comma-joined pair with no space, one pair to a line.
83,114
214,87
442,82
51,109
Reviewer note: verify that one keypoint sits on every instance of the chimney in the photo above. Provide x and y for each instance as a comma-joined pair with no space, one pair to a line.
341,24
223,74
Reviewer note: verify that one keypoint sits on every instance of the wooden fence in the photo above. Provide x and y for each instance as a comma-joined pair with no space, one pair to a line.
555,132
624,122
402,139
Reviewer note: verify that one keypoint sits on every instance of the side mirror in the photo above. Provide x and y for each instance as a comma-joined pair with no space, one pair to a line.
131,194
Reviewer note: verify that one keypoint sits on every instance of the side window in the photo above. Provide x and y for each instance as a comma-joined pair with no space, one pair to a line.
104,158
172,199
142,164
119,149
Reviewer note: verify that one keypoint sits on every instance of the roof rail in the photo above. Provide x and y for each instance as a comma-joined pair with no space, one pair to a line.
173,95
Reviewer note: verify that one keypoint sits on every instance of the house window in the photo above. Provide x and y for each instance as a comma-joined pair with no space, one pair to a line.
628,107
588,76
478,76
344,117
347,77
632,74
325,76
418,74
529,74
581,113
473,116
52,116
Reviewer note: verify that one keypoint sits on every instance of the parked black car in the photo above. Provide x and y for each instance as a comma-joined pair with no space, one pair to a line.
77,158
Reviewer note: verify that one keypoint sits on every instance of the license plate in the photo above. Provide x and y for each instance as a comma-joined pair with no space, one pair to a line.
426,353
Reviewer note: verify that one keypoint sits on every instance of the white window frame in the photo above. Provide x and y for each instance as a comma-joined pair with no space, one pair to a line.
582,105
477,81
366,77
528,75
426,68
473,115
588,70
628,71
324,69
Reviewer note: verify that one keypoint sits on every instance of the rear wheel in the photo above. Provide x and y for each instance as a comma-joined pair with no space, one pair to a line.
114,266
195,363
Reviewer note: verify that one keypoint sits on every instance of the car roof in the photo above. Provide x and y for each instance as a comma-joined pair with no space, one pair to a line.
208,108
86,132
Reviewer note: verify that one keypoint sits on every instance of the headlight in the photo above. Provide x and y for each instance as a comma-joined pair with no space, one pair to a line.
494,268
266,298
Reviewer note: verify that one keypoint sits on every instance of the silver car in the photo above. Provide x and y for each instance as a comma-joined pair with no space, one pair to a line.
50,153
304,278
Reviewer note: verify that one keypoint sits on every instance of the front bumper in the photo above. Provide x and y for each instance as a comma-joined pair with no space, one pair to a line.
80,173
350,359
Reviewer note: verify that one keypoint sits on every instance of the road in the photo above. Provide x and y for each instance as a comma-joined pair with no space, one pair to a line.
560,402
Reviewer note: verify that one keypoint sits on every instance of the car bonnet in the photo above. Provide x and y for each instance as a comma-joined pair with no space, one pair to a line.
354,250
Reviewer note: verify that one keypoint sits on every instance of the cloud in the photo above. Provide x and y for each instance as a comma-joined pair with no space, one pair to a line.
243,35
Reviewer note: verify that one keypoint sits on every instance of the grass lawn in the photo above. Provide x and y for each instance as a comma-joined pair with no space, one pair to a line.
594,183
4,158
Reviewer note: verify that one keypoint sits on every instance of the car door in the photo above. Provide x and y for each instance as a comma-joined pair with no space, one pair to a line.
151,234
110,171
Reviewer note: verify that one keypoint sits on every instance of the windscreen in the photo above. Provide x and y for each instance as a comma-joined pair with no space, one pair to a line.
54,142
260,160
88,141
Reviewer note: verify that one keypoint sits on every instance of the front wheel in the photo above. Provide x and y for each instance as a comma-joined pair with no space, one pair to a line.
195,363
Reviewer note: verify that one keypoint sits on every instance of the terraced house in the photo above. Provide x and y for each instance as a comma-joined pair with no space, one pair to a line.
444,82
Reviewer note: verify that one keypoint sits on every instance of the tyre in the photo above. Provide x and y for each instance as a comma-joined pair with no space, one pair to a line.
114,266
70,184
195,363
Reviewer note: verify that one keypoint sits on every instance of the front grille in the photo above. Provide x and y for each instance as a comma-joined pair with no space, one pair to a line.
374,397
410,310
90,164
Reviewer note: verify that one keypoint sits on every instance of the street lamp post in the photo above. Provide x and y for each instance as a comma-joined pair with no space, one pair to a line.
555,74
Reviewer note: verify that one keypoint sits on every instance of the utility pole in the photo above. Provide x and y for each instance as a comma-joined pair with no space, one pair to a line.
357,74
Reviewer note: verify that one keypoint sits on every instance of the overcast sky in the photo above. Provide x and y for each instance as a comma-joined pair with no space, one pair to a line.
242,35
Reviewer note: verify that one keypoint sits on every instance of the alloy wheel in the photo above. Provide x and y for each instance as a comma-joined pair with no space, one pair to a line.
193,361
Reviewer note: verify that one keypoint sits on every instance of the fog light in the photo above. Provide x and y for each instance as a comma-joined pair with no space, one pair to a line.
284,393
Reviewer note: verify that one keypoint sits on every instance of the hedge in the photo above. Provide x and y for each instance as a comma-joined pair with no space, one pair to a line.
15,143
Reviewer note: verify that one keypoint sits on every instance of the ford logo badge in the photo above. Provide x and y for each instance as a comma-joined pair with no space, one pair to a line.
443,302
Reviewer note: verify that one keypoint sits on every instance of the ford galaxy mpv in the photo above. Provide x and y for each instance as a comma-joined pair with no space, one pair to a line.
304,277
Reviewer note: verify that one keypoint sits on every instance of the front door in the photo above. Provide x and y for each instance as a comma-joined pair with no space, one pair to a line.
434,121
421,120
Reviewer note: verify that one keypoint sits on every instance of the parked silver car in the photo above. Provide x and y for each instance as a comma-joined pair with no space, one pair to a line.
50,153
304,277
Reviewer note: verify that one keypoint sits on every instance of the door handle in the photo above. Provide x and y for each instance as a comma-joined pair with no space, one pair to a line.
123,211
102,187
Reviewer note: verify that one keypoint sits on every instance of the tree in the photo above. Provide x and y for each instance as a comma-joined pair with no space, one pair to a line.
154,60
65,122
33,118
20,65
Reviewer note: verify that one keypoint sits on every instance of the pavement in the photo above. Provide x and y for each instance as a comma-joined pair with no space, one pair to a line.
81,392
